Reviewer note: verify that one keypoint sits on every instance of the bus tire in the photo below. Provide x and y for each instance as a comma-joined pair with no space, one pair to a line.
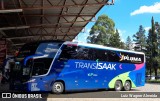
118,86
58,87
127,86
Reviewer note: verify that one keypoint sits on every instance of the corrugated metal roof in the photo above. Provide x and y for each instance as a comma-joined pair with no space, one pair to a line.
46,19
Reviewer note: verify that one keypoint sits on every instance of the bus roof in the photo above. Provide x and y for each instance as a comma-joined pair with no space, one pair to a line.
100,47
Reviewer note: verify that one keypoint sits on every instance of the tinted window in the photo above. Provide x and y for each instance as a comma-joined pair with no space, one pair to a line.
82,53
113,56
85,53
41,66
28,49
38,69
68,52
101,55
49,49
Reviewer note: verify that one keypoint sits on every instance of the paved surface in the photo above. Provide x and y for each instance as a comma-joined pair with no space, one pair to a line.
71,96
94,95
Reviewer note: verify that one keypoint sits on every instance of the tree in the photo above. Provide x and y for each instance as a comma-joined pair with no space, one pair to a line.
128,43
148,53
152,53
122,45
115,40
154,49
140,39
157,27
102,30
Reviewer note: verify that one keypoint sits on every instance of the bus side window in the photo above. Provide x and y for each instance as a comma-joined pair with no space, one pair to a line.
105,55
92,54
68,52
102,55
81,53
85,53
99,54
113,57
39,69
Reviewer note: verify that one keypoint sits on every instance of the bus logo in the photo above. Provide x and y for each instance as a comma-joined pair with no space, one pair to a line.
128,58
99,65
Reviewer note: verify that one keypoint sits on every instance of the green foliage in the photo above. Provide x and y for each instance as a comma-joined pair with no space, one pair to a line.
128,43
140,39
102,30
149,51
153,81
103,33
153,54
122,45
115,40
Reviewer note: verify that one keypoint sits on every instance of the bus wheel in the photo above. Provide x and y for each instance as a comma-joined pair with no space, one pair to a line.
118,86
127,86
58,88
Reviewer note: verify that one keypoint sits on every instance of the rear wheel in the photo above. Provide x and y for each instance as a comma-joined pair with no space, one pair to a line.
58,88
118,86
127,86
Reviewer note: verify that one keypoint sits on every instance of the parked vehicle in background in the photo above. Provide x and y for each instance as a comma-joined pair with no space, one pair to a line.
150,77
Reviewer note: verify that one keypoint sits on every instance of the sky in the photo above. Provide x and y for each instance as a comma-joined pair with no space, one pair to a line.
127,15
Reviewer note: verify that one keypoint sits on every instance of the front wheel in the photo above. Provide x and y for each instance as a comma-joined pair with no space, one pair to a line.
118,86
58,88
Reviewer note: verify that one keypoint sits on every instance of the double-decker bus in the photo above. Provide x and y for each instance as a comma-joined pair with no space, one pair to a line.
59,66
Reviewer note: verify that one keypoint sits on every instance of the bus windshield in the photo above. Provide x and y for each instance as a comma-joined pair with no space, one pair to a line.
48,49
40,65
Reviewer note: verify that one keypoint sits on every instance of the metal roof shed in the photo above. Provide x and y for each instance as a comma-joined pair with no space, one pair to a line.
29,20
